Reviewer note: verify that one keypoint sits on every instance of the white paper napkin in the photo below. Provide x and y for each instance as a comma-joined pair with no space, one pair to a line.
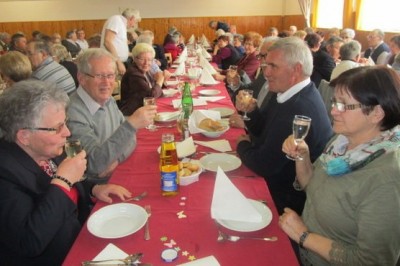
185,148
207,261
206,77
206,65
229,203
211,98
199,115
191,39
221,145
176,103
180,70
204,41
164,116
205,53
111,252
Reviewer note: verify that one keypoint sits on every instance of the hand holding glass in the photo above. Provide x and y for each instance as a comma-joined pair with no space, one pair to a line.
247,97
301,125
72,148
231,75
150,101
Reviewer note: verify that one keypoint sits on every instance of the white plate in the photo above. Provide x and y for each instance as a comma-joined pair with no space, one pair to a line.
225,112
169,92
227,162
266,217
209,92
171,82
117,220
166,116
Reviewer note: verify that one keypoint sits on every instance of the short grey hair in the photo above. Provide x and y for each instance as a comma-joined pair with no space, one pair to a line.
144,38
348,32
132,13
142,48
332,40
22,106
41,46
295,51
84,59
350,50
380,33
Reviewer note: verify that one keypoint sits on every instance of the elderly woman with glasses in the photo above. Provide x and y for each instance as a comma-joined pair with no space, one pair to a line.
351,215
42,203
138,82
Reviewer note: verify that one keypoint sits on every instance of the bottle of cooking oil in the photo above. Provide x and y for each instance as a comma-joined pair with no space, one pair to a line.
169,166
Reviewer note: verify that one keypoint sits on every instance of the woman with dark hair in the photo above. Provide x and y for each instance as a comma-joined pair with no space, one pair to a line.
225,53
351,214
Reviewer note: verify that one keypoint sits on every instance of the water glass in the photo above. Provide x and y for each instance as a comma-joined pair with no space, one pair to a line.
301,125
150,101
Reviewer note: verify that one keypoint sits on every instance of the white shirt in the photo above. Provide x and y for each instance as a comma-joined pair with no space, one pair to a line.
283,97
118,25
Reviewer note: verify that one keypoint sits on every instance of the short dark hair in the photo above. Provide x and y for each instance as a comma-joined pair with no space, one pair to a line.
371,86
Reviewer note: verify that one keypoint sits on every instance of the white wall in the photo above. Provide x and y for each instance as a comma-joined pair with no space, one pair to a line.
37,10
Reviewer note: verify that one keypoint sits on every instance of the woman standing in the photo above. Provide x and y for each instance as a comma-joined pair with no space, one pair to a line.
351,215
138,82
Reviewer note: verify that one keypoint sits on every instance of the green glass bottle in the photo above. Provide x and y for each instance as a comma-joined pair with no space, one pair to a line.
187,100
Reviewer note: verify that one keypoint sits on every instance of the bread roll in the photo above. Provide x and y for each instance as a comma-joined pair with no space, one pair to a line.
210,125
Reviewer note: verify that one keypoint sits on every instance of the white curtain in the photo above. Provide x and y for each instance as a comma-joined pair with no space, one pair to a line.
305,6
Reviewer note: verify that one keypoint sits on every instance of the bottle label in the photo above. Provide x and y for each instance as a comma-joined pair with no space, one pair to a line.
169,181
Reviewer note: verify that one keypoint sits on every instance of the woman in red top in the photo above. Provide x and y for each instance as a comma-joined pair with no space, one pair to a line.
249,62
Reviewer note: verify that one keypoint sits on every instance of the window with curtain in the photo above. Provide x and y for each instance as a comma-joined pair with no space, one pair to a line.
329,14
382,14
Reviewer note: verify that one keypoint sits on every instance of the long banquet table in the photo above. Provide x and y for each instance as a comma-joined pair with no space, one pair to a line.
194,236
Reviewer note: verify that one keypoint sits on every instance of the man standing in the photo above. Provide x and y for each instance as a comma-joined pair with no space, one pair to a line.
378,49
46,69
94,118
288,66
114,36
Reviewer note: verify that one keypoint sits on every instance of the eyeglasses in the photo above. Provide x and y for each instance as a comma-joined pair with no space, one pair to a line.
145,59
261,56
102,76
57,129
341,107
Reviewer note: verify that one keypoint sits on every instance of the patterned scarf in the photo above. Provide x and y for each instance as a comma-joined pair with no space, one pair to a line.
337,160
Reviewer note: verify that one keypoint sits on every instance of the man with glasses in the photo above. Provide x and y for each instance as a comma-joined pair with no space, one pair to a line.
378,49
94,118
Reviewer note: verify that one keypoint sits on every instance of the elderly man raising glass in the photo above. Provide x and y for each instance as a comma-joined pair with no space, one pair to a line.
42,203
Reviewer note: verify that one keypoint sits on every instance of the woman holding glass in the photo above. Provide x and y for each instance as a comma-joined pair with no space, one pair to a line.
351,215
42,203
138,82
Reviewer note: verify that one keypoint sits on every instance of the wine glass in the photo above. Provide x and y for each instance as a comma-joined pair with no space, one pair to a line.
150,101
72,148
231,75
301,125
247,97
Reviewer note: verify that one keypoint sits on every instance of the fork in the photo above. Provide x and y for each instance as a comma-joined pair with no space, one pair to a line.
146,227
138,197
222,236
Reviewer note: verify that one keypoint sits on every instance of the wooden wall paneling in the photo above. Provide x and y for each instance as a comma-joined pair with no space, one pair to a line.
297,20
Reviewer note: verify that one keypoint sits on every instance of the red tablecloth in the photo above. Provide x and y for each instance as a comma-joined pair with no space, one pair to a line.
196,235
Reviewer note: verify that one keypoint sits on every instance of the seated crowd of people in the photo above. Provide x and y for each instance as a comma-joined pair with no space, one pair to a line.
331,201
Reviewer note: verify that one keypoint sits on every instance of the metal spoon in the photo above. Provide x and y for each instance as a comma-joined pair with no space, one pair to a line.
222,237
138,197
131,259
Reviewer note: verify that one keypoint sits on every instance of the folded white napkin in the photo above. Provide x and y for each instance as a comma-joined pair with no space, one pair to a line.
185,148
229,203
180,70
204,41
206,78
211,98
176,103
164,116
207,261
191,39
206,65
221,145
111,252
205,53
199,115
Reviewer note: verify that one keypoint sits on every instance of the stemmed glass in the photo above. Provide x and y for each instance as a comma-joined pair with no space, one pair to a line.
231,75
247,96
301,125
150,101
72,148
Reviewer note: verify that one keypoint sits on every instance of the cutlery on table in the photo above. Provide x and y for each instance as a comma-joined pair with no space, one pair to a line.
146,227
130,260
222,237
138,197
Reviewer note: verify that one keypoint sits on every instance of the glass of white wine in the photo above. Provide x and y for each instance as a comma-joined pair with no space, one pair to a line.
247,96
72,148
231,75
150,101
301,125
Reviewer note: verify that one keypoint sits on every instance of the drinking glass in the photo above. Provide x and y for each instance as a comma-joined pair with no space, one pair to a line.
301,125
150,101
72,148
247,96
231,75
